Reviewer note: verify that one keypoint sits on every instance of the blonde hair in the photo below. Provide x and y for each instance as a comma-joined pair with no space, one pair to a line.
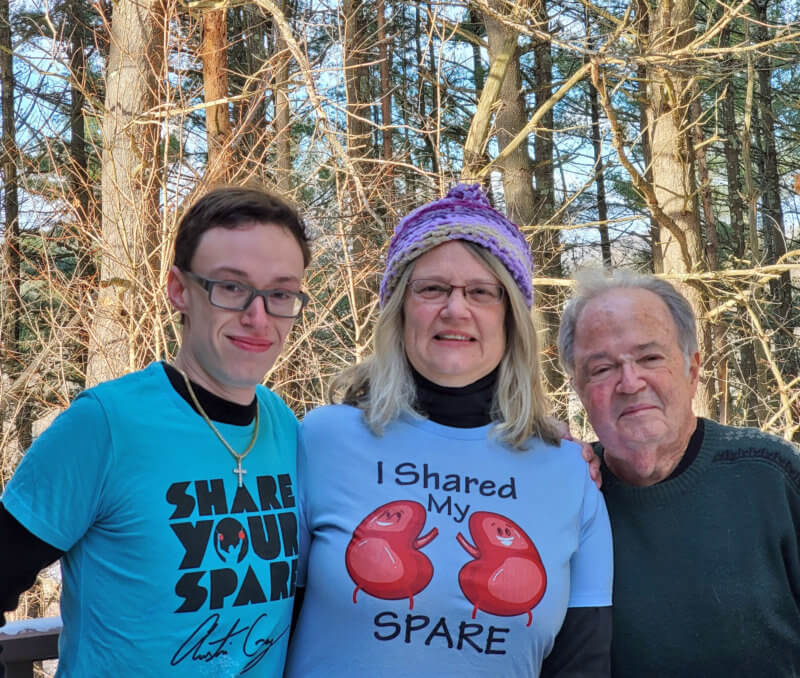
382,385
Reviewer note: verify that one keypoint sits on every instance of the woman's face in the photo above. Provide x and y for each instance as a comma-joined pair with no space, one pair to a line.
453,342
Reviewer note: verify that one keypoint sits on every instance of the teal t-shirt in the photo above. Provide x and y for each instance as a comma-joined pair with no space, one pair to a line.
439,551
170,568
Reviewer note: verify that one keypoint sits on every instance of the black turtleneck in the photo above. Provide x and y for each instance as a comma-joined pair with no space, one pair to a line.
460,406
217,409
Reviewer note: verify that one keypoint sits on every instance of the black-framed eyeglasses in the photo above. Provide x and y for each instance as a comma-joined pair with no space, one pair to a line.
237,296
480,294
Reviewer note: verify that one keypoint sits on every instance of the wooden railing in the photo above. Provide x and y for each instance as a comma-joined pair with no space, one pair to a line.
27,641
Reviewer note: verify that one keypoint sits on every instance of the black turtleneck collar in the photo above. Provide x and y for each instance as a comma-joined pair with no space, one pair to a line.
218,409
460,407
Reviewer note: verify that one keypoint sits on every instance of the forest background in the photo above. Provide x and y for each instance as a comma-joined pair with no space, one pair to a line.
656,135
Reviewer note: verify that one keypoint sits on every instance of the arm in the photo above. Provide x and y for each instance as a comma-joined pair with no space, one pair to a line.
582,648
26,555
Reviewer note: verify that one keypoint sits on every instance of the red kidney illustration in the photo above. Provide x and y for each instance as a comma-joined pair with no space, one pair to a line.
383,557
507,577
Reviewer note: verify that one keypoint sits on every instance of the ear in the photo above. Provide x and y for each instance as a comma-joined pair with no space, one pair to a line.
694,370
176,289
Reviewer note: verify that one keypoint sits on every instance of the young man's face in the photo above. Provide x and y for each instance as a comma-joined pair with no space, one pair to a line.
229,352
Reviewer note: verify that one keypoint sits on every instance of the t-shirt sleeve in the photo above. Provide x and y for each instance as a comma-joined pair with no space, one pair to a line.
56,491
591,566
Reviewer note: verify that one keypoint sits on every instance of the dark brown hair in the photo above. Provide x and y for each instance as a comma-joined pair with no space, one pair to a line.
232,207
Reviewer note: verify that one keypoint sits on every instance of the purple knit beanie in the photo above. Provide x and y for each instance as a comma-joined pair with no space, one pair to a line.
464,214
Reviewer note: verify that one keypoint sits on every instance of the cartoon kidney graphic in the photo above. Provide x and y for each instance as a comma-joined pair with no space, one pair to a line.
383,557
506,577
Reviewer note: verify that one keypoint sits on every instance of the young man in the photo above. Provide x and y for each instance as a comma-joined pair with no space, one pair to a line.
705,517
169,493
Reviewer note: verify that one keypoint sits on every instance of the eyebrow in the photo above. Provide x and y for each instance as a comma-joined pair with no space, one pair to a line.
639,348
230,270
471,281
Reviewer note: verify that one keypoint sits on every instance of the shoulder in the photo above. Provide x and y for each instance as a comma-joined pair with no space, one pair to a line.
330,417
273,402
735,445
565,452
562,462
152,376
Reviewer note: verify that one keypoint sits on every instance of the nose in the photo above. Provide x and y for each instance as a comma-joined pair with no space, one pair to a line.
456,303
255,315
630,381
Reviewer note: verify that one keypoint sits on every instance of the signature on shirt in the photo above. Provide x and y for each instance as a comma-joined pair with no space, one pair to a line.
208,641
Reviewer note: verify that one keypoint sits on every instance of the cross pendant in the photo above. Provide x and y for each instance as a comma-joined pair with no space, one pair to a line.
239,471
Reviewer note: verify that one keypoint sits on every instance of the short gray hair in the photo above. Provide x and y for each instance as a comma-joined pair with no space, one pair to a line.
591,283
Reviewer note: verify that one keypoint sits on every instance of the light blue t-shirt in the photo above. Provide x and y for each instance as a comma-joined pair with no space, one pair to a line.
170,569
438,551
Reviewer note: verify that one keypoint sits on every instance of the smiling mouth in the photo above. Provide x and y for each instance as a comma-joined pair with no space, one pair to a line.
453,337
384,523
636,410
252,345
506,541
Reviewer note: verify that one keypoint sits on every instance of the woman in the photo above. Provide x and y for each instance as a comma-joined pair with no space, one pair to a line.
451,531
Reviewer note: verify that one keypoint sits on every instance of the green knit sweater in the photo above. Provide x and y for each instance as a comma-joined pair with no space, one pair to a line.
707,564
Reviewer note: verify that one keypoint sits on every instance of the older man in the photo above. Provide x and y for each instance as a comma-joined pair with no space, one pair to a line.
169,494
705,517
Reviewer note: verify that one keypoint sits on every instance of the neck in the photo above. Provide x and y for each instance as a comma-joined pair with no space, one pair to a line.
647,465
240,395
218,409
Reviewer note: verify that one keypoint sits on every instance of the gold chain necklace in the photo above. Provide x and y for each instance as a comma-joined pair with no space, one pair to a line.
239,471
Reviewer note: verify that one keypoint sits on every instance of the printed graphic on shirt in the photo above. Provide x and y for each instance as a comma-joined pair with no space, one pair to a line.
507,576
238,551
383,557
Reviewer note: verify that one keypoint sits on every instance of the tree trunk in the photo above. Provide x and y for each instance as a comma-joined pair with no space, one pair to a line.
600,180
12,244
11,280
130,187
524,205
422,106
546,241
283,120
772,211
673,171
219,131
642,23
386,92
364,238
732,159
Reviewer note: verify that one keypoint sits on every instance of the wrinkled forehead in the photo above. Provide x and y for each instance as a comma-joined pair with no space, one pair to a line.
624,315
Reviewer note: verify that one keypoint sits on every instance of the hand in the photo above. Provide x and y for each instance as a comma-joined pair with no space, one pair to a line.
586,452
594,462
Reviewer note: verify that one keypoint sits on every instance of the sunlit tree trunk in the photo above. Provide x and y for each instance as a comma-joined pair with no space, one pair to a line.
283,119
219,131
670,89
130,186
525,205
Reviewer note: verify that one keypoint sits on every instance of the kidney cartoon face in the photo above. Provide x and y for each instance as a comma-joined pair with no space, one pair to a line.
506,577
383,557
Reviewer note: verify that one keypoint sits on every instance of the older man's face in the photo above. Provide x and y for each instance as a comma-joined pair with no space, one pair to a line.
635,384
